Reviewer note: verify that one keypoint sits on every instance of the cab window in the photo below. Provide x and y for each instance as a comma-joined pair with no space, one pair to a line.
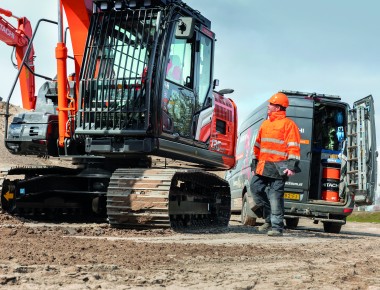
179,65
205,63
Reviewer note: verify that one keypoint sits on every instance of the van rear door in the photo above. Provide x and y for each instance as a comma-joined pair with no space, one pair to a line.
361,151
301,112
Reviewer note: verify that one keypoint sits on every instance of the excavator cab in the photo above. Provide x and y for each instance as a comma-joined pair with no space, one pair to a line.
146,86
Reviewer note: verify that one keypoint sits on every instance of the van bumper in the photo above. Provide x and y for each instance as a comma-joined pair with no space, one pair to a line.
332,212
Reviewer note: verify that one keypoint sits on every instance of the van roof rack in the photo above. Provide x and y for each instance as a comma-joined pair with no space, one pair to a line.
311,95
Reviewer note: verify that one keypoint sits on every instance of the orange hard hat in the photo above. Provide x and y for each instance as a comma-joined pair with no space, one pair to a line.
279,99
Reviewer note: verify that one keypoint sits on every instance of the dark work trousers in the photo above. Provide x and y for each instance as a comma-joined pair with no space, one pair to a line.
269,194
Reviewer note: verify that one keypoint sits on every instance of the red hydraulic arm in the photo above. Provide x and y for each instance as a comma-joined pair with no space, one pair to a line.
78,14
19,38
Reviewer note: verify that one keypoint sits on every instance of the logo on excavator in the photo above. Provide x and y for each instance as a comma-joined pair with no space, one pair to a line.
7,31
215,145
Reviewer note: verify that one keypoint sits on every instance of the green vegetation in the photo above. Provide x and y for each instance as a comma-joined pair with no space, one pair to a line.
364,217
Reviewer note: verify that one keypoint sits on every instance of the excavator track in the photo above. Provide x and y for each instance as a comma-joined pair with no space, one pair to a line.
133,198
27,191
3,174
163,198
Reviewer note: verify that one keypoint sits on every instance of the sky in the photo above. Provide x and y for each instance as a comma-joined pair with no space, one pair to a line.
263,46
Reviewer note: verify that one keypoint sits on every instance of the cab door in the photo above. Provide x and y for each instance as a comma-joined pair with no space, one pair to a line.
178,102
187,104
205,105
361,151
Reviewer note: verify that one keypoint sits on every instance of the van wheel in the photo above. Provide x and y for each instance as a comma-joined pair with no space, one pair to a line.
333,228
247,218
292,223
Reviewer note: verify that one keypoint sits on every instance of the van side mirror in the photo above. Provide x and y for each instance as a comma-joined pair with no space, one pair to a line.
185,28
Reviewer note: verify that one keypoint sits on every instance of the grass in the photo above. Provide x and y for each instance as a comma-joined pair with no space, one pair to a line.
364,217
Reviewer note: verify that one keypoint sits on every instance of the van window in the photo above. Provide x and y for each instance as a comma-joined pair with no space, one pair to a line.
244,148
240,150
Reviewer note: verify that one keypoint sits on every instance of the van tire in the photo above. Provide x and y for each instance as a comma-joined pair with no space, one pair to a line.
291,223
247,215
333,228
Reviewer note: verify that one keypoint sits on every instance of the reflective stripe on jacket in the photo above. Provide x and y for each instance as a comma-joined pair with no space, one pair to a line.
278,139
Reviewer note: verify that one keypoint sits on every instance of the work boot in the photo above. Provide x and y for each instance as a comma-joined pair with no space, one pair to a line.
264,227
275,233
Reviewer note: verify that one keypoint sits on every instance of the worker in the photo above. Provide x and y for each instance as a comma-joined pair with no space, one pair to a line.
276,154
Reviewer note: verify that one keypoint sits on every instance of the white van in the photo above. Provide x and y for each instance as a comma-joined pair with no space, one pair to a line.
338,160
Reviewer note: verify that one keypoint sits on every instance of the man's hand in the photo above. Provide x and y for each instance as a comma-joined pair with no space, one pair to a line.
289,172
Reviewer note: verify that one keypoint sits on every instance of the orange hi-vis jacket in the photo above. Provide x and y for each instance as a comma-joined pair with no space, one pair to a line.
278,139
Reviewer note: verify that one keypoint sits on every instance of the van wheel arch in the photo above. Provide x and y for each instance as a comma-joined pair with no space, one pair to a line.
247,215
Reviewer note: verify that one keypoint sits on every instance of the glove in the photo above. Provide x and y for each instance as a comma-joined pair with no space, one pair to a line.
253,165
293,165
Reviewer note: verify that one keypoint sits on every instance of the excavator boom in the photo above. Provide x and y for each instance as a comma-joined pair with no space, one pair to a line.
19,39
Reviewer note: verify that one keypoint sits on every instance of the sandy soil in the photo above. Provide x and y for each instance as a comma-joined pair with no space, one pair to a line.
95,256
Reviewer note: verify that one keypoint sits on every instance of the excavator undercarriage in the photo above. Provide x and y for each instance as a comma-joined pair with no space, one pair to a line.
129,198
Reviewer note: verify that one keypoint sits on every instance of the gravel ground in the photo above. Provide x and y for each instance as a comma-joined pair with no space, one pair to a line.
95,256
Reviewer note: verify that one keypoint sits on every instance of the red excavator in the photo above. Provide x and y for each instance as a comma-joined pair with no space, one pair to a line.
143,87
19,38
